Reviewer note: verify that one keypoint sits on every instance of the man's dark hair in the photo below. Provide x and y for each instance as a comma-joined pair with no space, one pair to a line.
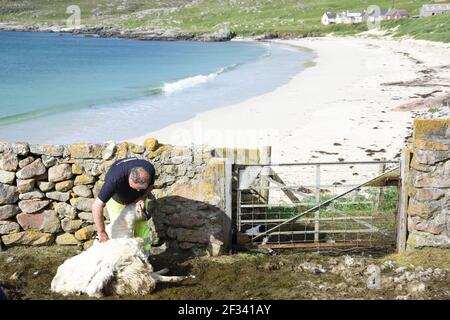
136,175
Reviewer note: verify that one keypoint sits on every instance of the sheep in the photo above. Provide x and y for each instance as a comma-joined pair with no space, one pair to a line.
117,266
123,226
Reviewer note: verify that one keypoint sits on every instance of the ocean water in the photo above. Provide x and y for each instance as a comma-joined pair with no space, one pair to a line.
61,88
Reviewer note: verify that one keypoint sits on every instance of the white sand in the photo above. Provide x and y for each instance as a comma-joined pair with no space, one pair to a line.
339,100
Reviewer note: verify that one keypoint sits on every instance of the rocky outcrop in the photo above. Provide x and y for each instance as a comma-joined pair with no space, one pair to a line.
221,35
112,32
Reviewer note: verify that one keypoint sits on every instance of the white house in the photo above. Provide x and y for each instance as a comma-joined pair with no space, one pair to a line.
328,18
348,17
376,16
355,16
434,9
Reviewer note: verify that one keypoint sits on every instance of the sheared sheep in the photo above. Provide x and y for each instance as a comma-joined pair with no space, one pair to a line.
117,266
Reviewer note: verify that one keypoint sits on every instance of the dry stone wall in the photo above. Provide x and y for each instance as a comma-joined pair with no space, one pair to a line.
46,193
429,185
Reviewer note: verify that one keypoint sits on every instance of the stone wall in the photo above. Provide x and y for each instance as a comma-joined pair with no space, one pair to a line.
428,185
46,193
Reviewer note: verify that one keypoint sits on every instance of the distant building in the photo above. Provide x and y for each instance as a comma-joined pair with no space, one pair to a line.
434,9
394,14
376,16
348,17
328,18
340,18
355,16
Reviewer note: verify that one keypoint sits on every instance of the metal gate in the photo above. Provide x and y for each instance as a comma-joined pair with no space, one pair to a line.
318,205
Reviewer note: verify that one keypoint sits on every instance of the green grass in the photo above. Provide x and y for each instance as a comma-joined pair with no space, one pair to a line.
245,17
434,28
351,206
427,257
350,203
434,110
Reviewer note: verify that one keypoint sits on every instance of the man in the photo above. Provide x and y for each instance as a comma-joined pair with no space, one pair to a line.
127,181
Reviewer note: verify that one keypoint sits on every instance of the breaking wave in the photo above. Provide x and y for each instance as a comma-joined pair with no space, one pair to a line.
189,82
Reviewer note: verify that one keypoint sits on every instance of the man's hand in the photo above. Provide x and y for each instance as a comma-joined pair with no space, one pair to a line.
103,236
141,205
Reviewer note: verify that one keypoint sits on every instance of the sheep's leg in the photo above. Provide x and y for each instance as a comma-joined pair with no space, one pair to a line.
162,271
160,278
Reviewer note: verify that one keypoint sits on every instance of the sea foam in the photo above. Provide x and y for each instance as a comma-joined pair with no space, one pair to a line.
189,82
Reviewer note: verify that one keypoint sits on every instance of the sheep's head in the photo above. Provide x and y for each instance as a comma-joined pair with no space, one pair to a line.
140,213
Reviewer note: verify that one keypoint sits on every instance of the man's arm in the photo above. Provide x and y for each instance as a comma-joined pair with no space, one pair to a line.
106,192
97,214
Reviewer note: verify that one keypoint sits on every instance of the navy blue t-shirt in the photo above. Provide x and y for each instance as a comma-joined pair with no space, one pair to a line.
116,181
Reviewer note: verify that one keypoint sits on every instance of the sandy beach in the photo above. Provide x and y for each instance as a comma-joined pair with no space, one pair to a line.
347,105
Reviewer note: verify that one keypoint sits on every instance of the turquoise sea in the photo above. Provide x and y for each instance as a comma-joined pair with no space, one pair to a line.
62,88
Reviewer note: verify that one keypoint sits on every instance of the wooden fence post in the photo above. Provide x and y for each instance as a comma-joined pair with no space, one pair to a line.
379,190
265,159
402,216
228,192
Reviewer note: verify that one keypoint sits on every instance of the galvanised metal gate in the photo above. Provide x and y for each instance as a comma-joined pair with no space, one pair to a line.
318,205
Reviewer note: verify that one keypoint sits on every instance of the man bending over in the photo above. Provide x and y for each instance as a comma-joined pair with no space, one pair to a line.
127,181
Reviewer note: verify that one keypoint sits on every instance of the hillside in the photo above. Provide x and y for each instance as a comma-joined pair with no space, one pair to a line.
244,17
435,28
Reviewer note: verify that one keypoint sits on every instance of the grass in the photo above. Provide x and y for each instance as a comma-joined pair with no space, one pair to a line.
35,268
434,28
245,17
351,203
427,258
434,110
361,205
241,276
